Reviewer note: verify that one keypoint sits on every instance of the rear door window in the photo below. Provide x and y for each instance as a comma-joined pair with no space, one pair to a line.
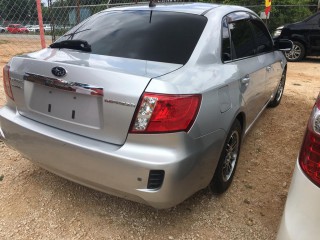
244,35
263,39
147,35
242,38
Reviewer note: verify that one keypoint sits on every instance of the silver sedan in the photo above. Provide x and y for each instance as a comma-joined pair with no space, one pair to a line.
146,103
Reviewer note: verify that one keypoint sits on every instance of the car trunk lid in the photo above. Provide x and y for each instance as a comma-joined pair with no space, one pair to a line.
96,98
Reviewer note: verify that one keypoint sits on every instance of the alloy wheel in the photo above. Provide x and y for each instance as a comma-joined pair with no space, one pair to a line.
280,88
295,53
232,152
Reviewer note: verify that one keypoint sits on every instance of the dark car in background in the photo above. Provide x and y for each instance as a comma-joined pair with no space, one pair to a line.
305,36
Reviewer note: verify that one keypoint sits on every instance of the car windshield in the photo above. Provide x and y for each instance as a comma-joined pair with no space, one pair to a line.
147,35
313,19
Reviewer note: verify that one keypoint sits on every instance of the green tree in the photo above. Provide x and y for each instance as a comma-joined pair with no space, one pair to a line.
289,14
282,11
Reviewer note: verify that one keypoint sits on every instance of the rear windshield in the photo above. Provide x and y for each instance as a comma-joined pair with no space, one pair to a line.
147,35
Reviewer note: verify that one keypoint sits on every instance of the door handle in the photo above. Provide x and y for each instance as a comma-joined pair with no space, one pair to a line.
245,80
268,68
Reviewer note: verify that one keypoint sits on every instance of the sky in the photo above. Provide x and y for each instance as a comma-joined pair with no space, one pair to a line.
45,2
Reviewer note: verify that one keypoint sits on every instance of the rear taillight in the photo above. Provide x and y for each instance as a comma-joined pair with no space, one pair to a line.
309,157
6,81
160,113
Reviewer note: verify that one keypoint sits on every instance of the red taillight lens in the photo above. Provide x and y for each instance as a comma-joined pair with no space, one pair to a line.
6,81
159,113
309,157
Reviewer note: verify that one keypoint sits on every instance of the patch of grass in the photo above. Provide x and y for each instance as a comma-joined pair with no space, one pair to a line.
4,41
1,177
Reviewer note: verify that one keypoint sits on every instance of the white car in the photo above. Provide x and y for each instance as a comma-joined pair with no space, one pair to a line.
47,27
33,28
36,28
2,29
301,216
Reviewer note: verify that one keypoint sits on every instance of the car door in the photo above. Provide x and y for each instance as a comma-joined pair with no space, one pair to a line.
9,28
15,29
251,70
266,57
314,35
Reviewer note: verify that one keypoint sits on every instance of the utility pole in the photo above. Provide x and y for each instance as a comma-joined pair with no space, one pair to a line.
40,20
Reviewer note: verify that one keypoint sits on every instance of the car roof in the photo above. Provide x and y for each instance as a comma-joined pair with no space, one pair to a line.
192,8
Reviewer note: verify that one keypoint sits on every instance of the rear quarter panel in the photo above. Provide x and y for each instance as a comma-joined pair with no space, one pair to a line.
205,74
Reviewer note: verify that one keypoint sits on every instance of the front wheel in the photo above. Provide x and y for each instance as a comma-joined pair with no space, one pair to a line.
277,98
297,53
226,168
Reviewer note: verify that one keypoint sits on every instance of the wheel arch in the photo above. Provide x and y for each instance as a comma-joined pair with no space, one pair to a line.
298,38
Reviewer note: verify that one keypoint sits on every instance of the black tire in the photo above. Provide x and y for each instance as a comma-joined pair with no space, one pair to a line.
297,53
2,30
277,98
227,164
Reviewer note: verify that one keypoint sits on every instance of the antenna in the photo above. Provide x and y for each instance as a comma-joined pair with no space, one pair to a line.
152,4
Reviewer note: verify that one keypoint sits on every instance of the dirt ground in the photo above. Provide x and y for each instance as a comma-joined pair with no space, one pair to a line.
35,204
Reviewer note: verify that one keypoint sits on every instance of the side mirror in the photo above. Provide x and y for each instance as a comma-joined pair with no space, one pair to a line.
283,45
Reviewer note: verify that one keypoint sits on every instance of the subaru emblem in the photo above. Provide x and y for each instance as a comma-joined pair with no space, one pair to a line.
59,71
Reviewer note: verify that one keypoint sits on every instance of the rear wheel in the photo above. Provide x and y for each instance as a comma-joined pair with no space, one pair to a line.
226,168
277,98
297,52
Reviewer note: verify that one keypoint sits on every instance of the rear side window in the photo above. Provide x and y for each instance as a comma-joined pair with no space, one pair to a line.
242,39
226,48
147,35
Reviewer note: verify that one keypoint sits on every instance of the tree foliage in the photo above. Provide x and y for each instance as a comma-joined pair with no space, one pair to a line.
282,11
18,11
25,11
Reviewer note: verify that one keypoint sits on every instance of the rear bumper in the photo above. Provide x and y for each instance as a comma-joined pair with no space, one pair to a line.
301,215
123,171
